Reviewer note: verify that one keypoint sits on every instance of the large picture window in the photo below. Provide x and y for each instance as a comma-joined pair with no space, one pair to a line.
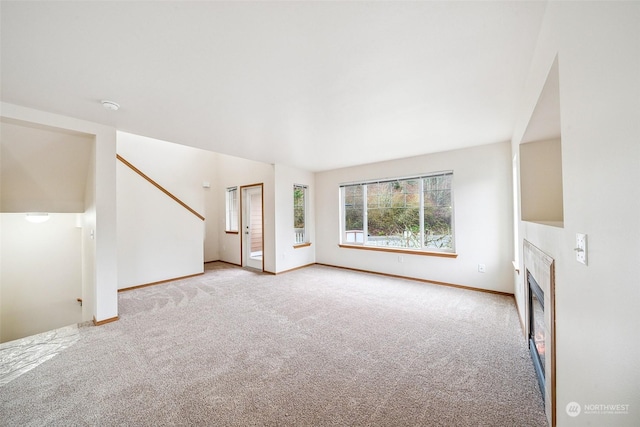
406,213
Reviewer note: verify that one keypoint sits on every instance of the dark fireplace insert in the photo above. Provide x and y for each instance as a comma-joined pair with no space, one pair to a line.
537,330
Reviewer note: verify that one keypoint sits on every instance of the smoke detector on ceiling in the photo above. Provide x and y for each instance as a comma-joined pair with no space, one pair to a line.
110,105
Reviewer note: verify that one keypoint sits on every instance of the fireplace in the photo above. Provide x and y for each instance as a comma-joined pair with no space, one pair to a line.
539,317
537,330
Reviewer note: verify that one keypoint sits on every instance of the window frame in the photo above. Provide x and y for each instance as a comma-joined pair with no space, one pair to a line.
304,241
231,210
354,242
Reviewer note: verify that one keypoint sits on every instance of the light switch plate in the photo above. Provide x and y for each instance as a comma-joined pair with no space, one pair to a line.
581,248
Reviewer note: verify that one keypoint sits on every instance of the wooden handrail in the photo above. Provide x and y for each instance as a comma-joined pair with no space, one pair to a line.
158,186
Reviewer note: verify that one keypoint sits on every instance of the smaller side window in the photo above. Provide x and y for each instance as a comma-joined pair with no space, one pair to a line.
300,214
232,210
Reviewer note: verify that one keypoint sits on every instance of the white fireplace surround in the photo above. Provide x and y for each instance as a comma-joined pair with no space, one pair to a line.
542,268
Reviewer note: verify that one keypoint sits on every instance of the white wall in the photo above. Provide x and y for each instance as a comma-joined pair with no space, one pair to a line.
44,168
289,257
597,306
483,224
89,303
234,171
158,239
99,248
41,275
541,181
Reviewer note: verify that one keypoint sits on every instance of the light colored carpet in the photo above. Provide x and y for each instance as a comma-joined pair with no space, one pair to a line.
313,347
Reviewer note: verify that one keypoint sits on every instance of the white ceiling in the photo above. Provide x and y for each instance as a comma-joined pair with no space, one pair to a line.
315,85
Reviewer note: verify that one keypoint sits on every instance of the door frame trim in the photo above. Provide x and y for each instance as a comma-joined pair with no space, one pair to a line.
242,215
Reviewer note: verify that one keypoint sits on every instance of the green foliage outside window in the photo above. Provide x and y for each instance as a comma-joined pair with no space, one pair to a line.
299,213
411,213
353,207
298,206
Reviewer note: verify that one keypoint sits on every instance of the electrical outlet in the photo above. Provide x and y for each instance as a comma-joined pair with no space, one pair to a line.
481,268
581,248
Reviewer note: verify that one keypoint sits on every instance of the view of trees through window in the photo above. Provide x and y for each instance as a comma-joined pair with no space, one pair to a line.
299,213
414,213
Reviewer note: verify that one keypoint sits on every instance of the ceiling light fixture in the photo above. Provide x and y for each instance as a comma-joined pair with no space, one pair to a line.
37,217
110,105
